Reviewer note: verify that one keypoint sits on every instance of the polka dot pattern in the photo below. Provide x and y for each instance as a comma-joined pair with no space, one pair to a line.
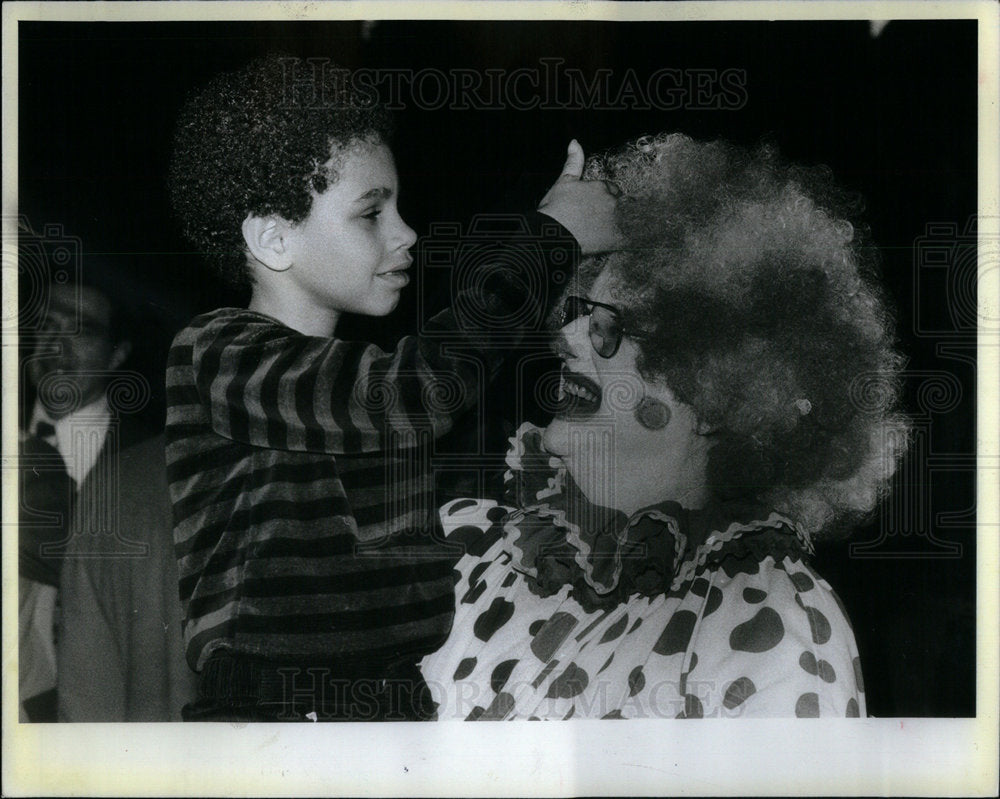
477,572
819,625
693,708
461,505
802,581
493,618
807,706
826,672
763,632
472,595
808,662
502,704
480,543
636,681
466,535
714,600
548,639
738,692
615,630
465,667
765,640
568,684
754,596
544,673
677,634
500,675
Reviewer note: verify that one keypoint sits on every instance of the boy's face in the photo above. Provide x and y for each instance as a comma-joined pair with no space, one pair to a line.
350,254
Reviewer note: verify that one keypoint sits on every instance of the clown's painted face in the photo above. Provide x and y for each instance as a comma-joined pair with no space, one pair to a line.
627,443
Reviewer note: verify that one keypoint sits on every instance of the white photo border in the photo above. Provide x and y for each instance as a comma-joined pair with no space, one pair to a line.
849,757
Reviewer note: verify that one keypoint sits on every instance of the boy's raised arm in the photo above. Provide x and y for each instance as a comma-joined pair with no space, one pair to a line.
270,386
586,208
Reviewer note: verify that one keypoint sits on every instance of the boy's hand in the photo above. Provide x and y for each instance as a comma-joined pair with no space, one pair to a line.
586,208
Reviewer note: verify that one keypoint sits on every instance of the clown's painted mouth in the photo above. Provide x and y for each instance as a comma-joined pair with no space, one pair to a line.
579,396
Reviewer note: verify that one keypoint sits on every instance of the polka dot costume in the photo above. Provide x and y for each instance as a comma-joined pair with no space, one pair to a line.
766,639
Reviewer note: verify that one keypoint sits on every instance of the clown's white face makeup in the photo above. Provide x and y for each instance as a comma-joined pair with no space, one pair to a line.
617,461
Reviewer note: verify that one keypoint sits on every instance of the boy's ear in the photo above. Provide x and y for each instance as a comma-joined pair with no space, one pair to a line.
265,238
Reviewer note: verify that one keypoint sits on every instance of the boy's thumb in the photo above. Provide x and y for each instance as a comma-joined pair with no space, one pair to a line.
573,168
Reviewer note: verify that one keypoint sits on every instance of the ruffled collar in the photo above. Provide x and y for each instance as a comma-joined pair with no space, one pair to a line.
557,537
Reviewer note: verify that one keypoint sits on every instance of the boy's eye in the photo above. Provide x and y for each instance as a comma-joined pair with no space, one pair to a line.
371,213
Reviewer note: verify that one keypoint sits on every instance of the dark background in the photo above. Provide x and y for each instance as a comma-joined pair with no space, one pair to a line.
893,115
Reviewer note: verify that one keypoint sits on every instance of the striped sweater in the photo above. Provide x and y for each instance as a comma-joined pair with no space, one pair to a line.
299,469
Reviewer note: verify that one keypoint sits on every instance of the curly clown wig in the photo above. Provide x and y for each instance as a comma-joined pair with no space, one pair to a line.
761,309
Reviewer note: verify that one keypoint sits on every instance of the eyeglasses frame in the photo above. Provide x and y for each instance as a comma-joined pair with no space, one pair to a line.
590,304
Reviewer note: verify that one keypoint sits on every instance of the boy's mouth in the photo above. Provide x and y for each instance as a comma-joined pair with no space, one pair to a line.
397,274
579,396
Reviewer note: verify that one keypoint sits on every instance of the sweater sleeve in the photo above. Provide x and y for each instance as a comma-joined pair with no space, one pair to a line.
269,386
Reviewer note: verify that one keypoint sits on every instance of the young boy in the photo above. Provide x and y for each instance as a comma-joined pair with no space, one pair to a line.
310,574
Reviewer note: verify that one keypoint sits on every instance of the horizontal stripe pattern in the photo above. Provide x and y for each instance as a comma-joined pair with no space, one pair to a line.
301,480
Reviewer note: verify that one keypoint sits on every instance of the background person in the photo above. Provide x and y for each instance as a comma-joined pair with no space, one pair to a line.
110,589
120,651
78,348
45,502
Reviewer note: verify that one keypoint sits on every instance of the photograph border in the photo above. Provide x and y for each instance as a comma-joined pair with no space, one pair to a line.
848,757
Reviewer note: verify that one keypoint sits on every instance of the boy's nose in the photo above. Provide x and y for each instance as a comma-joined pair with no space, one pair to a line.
406,235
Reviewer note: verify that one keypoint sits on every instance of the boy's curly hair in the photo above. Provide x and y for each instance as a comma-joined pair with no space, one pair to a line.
259,141
761,308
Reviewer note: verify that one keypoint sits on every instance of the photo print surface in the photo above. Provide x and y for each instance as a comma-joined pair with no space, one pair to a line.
454,370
